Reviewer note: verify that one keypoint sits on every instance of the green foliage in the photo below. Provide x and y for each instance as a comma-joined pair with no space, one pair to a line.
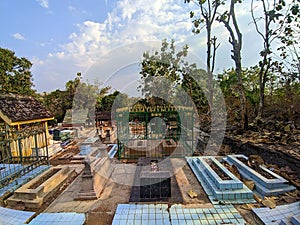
78,95
162,71
179,80
190,84
107,101
208,11
57,102
15,75
163,64
227,81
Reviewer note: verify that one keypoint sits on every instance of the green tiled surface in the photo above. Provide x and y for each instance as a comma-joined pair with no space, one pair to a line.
177,214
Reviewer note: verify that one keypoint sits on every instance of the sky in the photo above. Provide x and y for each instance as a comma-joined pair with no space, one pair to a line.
105,39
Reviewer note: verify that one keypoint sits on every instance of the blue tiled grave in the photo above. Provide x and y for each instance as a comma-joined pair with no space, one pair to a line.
233,183
90,141
85,149
39,189
281,215
263,185
141,214
12,186
161,214
219,214
113,151
8,169
59,219
232,190
296,219
14,217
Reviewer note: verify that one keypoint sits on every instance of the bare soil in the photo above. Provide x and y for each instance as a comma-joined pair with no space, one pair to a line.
196,186
103,212
220,172
257,169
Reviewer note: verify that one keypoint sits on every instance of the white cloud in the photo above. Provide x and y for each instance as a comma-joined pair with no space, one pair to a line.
71,8
43,3
18,36
130,21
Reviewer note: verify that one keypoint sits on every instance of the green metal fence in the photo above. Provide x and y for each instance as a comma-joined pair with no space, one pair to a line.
15,159
140,136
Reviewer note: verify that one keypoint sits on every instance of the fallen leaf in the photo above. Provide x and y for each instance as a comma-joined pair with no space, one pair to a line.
269,202
250,184
192,194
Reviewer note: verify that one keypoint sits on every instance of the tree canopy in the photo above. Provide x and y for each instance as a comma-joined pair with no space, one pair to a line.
15,74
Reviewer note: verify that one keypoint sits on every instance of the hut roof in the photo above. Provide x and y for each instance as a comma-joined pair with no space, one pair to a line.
16,109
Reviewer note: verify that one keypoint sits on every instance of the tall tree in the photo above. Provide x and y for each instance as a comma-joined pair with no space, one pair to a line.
168,76
228,18
162,71
15,74
208,11
289,66
276,20
57,103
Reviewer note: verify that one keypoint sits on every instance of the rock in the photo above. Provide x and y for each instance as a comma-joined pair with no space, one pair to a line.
288,199
250,184
273,167
248,206
233,169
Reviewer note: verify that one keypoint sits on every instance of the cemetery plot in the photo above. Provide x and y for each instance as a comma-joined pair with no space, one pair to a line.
37,191
267,183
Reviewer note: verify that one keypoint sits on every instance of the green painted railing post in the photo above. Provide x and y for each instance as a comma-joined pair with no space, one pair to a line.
20,150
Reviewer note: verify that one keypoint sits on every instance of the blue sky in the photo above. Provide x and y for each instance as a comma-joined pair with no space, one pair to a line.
63,37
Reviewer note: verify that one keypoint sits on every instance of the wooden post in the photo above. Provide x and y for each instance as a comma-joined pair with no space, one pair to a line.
36,147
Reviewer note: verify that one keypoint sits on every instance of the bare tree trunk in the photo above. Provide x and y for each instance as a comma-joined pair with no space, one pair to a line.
209,15
242,96
268,34
208,66
236,41
261,97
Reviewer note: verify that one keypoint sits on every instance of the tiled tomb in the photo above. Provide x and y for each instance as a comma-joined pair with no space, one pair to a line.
263,185
217,189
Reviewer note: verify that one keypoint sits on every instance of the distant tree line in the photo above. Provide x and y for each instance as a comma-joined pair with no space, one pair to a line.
251,94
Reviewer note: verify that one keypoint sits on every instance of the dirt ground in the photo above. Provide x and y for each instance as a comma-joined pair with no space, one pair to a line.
102,210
